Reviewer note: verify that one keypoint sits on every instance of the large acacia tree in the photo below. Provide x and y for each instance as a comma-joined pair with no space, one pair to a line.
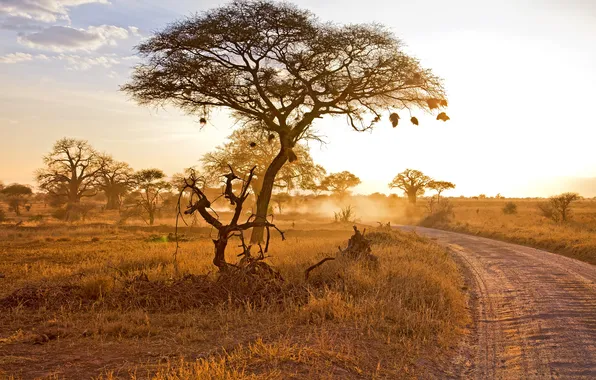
278,68
340,183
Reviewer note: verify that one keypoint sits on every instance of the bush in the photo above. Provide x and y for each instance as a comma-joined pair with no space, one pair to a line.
60,214
440,216
345,215
510,208
2,215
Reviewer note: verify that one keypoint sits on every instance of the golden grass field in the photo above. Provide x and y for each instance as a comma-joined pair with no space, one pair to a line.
75,304
576,238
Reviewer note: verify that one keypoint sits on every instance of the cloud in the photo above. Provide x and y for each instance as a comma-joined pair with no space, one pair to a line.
42,10
73,61
15,58
79,63
64,38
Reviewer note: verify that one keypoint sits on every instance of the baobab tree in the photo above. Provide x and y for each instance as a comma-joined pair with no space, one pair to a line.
440,186
340,183
412,183
114,180
278,69
71,173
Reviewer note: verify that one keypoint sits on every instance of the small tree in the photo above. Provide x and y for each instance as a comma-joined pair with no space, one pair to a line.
278,69
114,180
558,208
71,173
440,186
149,184
340,183
16,195
510,208
412,183
280,199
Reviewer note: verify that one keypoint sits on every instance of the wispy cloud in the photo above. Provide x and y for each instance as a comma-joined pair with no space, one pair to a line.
49,11
64,38
21,57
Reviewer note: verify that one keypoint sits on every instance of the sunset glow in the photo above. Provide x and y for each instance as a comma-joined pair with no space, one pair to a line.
519,80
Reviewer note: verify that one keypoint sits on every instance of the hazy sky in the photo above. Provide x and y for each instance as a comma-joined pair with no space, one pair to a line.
520,77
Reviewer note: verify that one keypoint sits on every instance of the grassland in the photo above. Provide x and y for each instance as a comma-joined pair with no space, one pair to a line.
76,304
576,238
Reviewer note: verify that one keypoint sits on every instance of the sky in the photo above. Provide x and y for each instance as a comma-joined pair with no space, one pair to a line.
519,77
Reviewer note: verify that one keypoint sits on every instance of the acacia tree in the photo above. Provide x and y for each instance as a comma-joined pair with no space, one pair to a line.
412,183
340,183
558,208
16,195
114,180
71,173
440,186
278,68
150,185
248,148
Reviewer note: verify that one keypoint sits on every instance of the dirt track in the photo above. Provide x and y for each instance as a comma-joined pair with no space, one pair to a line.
534,311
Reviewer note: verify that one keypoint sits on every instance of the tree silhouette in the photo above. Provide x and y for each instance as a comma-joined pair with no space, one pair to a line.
339,183
558,208
150,185
247,148
411,182
114,180
71,173
278,68
440,186
16,195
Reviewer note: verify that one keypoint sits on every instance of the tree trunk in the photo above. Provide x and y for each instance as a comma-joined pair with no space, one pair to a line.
220,253
113,202
264,197
412,198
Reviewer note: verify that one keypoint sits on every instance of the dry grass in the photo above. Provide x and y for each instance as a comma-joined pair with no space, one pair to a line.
576,239
75,305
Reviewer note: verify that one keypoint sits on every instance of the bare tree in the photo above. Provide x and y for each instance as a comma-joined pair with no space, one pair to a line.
558,208
278,69
412,182
150,185
114,180
71,173
200,203
15,196
340,183
440,186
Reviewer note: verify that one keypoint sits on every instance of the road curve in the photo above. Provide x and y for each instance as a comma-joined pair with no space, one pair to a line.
534,311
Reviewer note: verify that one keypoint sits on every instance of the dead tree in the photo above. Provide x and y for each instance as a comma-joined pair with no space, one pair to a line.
199,203
359,248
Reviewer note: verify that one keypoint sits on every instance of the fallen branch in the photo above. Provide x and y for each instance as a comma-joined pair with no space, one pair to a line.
310,268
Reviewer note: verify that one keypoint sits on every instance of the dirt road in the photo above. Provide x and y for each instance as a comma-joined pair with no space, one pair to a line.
535,312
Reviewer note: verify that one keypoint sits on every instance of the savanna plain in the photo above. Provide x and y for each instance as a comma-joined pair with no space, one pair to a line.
102,299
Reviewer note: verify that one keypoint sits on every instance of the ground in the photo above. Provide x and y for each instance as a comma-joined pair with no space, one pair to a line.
76,304
485,217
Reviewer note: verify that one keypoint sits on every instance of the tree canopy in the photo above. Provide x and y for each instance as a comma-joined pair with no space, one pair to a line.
440,186
278,68
248,147
411,182
71,171
340,183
